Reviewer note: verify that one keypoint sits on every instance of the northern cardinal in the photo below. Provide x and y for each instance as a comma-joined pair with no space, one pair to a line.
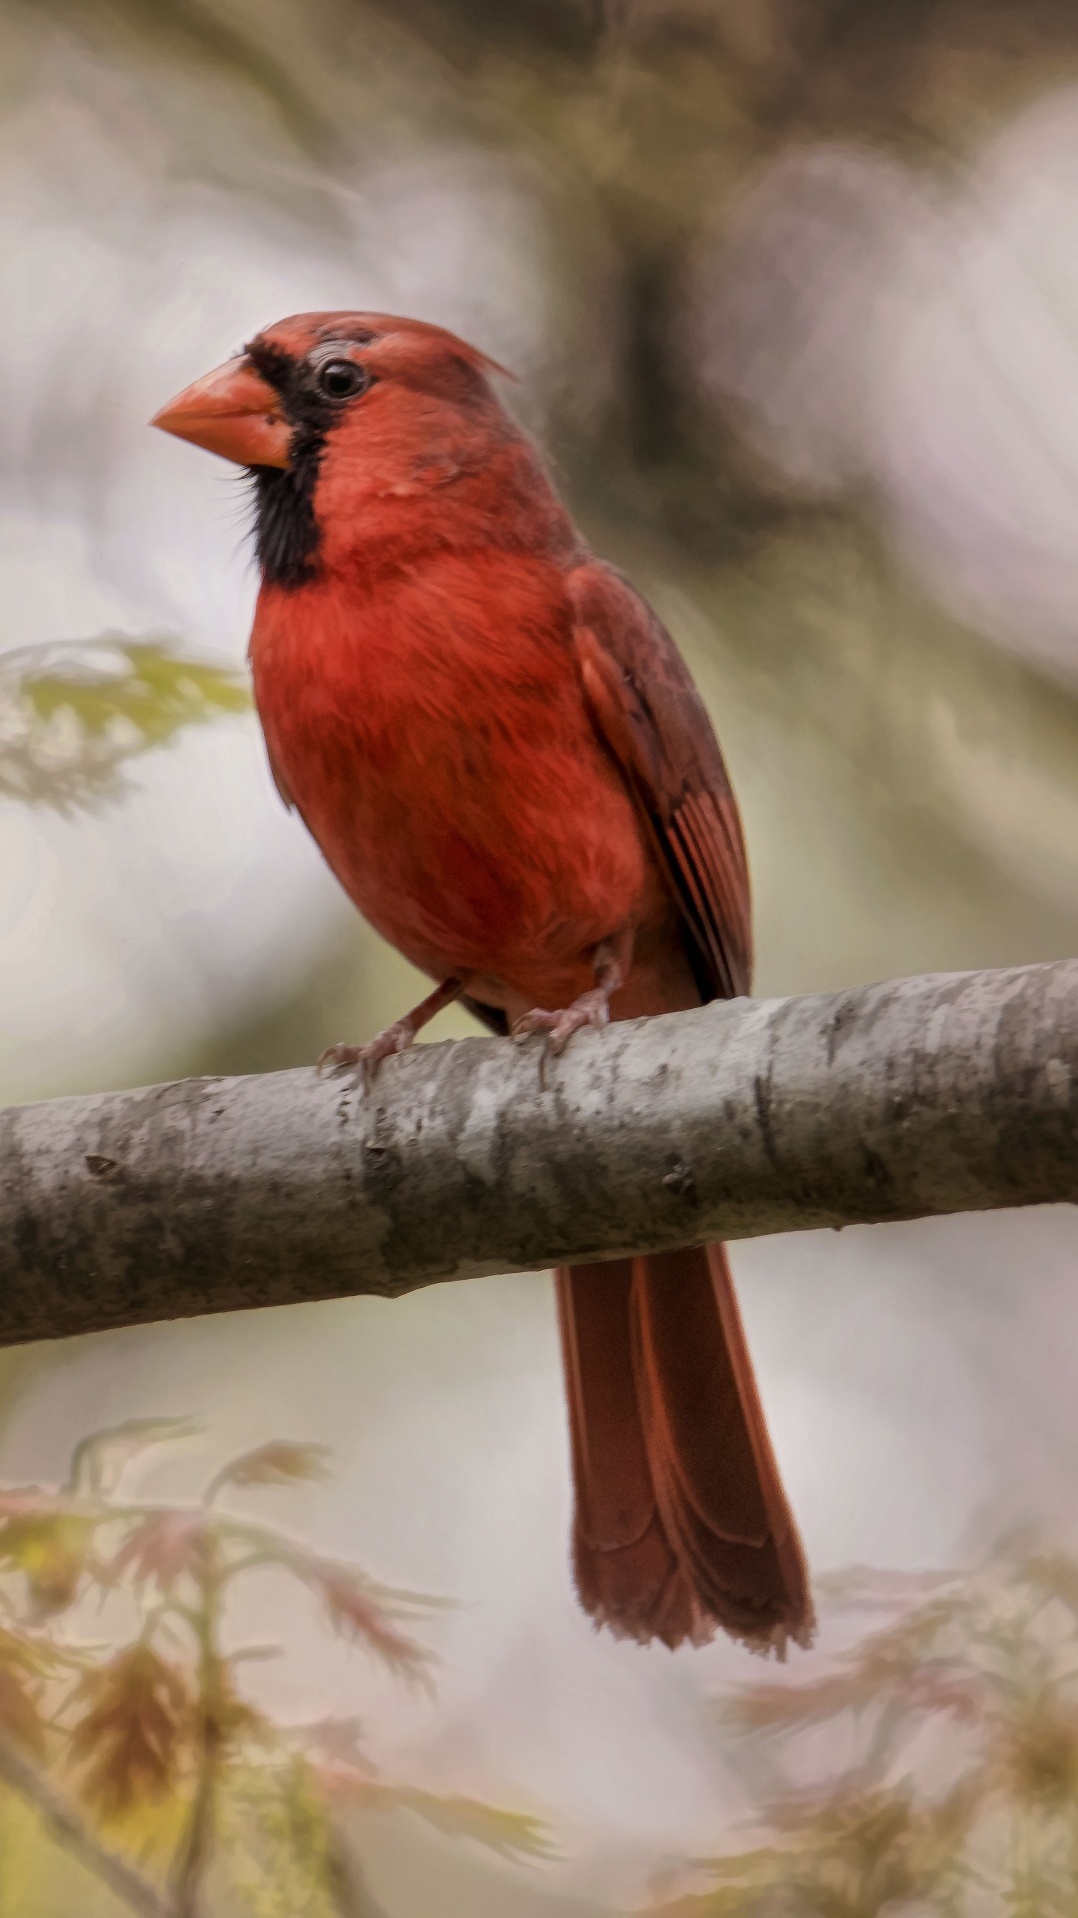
505,762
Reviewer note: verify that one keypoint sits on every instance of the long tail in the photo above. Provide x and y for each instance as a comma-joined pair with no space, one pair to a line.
681,1521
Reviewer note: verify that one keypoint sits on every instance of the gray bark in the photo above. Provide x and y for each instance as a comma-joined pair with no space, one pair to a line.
949,1093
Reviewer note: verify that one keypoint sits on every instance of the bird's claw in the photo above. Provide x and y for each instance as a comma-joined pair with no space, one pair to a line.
591,1009
365,1060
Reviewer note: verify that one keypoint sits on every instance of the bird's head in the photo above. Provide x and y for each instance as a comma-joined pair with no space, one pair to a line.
348,424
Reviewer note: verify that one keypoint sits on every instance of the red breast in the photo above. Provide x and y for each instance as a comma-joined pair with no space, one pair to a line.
412,651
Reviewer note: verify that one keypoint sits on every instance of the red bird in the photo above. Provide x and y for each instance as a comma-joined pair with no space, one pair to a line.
505,762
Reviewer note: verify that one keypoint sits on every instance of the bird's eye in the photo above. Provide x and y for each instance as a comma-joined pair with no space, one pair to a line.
342,379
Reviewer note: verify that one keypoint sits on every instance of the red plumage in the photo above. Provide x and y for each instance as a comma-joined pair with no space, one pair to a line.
505,763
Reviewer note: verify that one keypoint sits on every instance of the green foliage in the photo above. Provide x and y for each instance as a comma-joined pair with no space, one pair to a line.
72,716
957,1721
158,1756
280,1830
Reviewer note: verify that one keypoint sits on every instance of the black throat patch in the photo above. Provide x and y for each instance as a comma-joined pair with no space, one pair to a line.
287,533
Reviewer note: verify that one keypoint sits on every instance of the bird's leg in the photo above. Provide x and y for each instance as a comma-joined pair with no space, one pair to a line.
612,961
396,1038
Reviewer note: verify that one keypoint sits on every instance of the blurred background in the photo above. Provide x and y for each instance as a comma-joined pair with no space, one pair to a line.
791,291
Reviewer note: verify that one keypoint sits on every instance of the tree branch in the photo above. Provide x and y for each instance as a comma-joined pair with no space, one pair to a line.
950,1093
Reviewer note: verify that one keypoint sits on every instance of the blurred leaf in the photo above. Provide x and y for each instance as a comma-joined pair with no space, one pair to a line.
230,1724
973,1678
71,716
278,1831
894,1666
513,1834
854,1855
771,1707
1056,1575
163,1548
131,1738
99,1462
306,1824
33,1655
28,1501
160,1741
279,1463
336,1741
1037,1751
359,1613
344,1772
52,1552
861,1586
20,1715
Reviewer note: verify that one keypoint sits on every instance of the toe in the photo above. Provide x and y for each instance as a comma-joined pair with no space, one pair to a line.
573,1019
396,1038
339,1058
589,1010
535,1021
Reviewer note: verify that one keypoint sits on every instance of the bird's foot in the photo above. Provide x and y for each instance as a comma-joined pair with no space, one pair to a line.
591,1009
364,1061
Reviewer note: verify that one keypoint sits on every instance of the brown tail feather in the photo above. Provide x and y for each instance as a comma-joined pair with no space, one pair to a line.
681,1521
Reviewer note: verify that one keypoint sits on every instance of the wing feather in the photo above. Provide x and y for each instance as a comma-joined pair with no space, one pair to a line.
654,723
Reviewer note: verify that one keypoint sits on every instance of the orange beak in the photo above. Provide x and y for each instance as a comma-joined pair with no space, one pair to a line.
233,412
